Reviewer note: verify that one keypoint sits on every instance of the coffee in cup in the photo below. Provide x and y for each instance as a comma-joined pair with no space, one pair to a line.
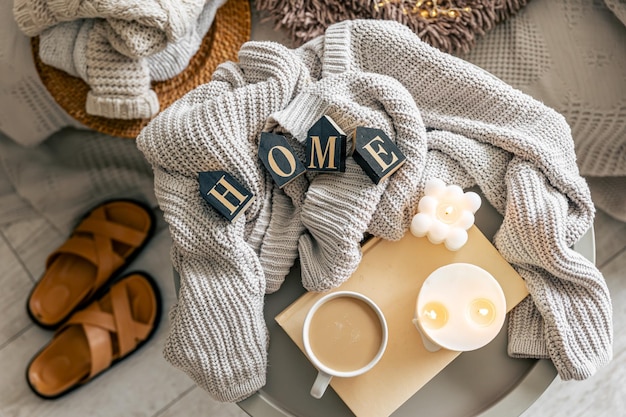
345,334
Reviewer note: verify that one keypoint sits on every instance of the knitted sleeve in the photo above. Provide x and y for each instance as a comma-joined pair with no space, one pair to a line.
119,85
548,206
218,335
120,39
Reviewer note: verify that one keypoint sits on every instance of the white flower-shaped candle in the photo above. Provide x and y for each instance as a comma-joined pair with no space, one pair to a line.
445,213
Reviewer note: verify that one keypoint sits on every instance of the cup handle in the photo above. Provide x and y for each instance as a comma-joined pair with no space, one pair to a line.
321,383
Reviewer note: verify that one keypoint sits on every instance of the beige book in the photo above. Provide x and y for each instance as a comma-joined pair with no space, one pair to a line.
391,274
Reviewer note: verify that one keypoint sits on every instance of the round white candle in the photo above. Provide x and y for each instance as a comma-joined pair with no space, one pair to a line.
460,307
445,213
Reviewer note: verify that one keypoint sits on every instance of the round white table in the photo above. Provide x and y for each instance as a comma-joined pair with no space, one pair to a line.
485,382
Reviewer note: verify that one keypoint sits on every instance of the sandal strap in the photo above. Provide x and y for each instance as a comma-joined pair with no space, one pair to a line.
111,230
98,247
97,250
107,322
76,245
104,232
100,326
93,317
98,335
108,260
123,319
100,348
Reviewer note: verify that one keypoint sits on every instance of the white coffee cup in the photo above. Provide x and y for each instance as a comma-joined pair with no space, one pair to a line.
345,334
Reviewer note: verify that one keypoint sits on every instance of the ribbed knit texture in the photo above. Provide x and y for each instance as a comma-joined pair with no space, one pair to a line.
452,120
122,36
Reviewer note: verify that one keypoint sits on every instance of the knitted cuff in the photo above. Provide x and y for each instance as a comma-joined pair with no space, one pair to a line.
120,86
568,291
337,40
279,248
526,332
529,337
145,106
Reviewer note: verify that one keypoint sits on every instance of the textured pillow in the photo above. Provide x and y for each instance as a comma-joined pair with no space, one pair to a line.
571,56
451,26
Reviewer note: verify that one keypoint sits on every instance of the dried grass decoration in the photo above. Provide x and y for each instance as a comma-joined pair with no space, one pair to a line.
451,26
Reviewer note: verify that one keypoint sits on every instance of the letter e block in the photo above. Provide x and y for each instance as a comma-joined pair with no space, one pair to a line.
224,193
326,147
279,158
376,153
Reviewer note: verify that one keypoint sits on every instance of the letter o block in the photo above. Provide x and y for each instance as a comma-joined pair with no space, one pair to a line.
279,158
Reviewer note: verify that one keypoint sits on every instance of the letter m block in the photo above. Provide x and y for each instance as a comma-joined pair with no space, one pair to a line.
326,147
224,193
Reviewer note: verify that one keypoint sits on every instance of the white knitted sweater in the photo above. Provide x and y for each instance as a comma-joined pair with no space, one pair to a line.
452,120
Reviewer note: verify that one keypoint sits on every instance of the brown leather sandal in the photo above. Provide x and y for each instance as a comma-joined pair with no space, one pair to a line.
103,243
97,337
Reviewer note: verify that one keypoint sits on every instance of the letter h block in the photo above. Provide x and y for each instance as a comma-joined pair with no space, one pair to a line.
224,193
326,147
376,153
279,158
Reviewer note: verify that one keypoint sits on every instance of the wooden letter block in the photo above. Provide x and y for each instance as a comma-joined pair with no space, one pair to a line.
326,147
376,153
224,193
279,158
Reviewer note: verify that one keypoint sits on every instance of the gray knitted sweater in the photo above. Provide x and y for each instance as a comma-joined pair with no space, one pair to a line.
452,120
